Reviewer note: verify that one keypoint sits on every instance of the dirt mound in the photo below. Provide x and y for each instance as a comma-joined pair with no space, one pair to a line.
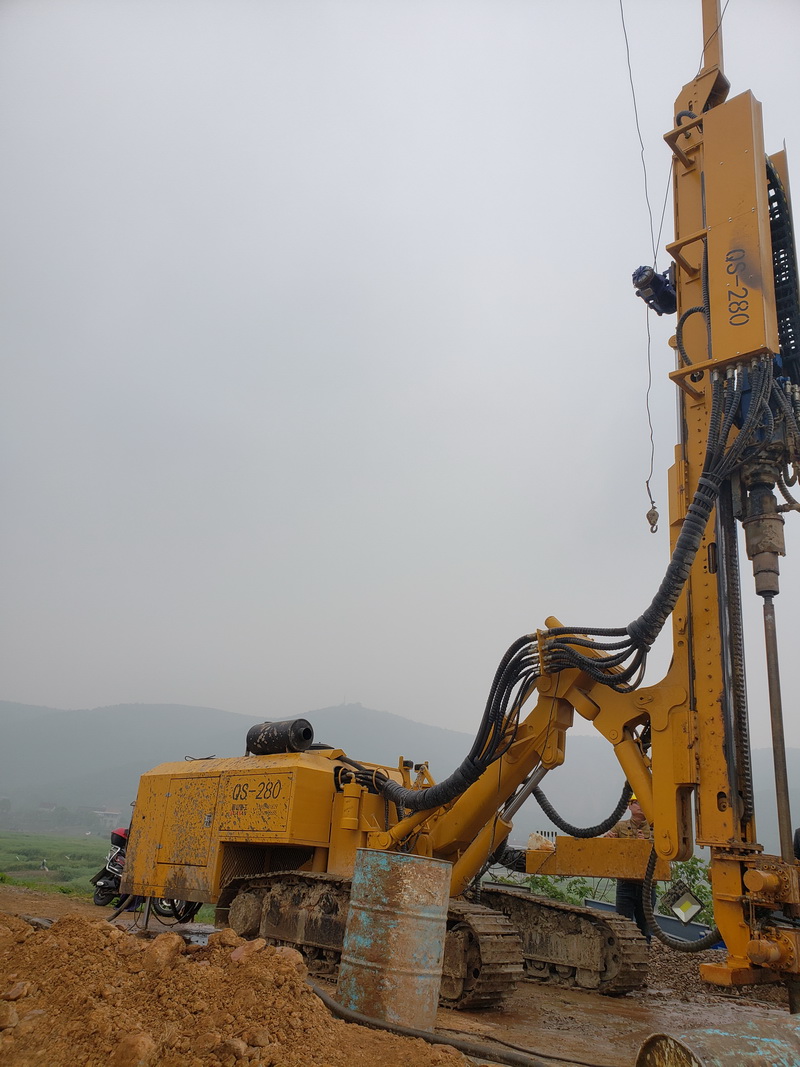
86,992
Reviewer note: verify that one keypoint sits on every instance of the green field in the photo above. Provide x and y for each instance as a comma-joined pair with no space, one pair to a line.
71,861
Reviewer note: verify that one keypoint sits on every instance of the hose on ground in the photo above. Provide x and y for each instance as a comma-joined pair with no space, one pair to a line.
678,944
123,905
469,1048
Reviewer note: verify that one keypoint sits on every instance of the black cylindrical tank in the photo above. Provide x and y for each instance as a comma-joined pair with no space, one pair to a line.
290,735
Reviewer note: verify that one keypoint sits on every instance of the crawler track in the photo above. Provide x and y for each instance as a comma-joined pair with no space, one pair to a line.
572,946
482,957
483,953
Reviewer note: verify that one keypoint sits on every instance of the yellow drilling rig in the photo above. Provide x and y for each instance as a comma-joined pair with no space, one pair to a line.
270,837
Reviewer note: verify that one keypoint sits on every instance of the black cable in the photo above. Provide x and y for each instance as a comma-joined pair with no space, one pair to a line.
624,670
783,403
721,407
498,684
678,944
590,831
470,1048
518,670
547,1055
733,402
638,128
185,910
679,332
608,631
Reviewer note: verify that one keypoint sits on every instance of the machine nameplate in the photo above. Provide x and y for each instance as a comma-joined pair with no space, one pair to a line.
256,802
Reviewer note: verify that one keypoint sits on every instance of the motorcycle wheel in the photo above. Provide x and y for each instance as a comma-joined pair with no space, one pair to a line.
163,906
185,910
103,895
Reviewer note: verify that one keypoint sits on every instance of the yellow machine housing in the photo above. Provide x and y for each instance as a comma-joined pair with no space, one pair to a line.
198,826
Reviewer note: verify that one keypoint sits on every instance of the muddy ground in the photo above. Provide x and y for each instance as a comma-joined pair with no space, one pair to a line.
563,1027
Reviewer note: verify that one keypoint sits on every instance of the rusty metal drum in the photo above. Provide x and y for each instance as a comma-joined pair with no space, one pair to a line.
754,1043
393,949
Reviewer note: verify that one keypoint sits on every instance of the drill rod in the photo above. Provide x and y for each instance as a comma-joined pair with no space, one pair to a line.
778,742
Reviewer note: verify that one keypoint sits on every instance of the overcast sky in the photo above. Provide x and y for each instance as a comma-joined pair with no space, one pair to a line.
324,377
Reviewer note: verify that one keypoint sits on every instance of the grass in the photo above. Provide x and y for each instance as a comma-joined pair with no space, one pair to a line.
70,861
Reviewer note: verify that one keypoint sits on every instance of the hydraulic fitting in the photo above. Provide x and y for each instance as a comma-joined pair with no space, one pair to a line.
763,530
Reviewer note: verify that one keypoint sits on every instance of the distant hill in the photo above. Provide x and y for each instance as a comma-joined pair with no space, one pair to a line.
94,757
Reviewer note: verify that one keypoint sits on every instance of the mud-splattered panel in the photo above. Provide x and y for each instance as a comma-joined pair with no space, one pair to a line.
257,803
188,818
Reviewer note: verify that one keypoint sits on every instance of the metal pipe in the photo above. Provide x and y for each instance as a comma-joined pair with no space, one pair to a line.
776,723
516,802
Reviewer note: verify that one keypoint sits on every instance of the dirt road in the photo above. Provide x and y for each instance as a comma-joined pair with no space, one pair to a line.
16,900
567,1027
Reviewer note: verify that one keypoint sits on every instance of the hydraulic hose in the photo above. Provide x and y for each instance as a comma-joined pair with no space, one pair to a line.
679,332
589,831
647,627
435,795
678,944
513,859
469,1048
516,674
623,669
123,905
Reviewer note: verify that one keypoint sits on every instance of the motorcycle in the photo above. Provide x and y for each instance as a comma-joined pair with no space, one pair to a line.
107,886
107,880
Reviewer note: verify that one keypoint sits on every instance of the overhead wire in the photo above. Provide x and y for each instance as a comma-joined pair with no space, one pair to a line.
638,127
652,515
711,36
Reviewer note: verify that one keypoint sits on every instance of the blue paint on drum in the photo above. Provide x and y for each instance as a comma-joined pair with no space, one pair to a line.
394,939
754,1043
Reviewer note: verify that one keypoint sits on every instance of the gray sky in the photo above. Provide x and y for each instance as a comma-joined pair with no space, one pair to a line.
324,377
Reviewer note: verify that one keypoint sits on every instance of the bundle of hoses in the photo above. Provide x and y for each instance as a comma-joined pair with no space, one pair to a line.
512,682
621,666
622,661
